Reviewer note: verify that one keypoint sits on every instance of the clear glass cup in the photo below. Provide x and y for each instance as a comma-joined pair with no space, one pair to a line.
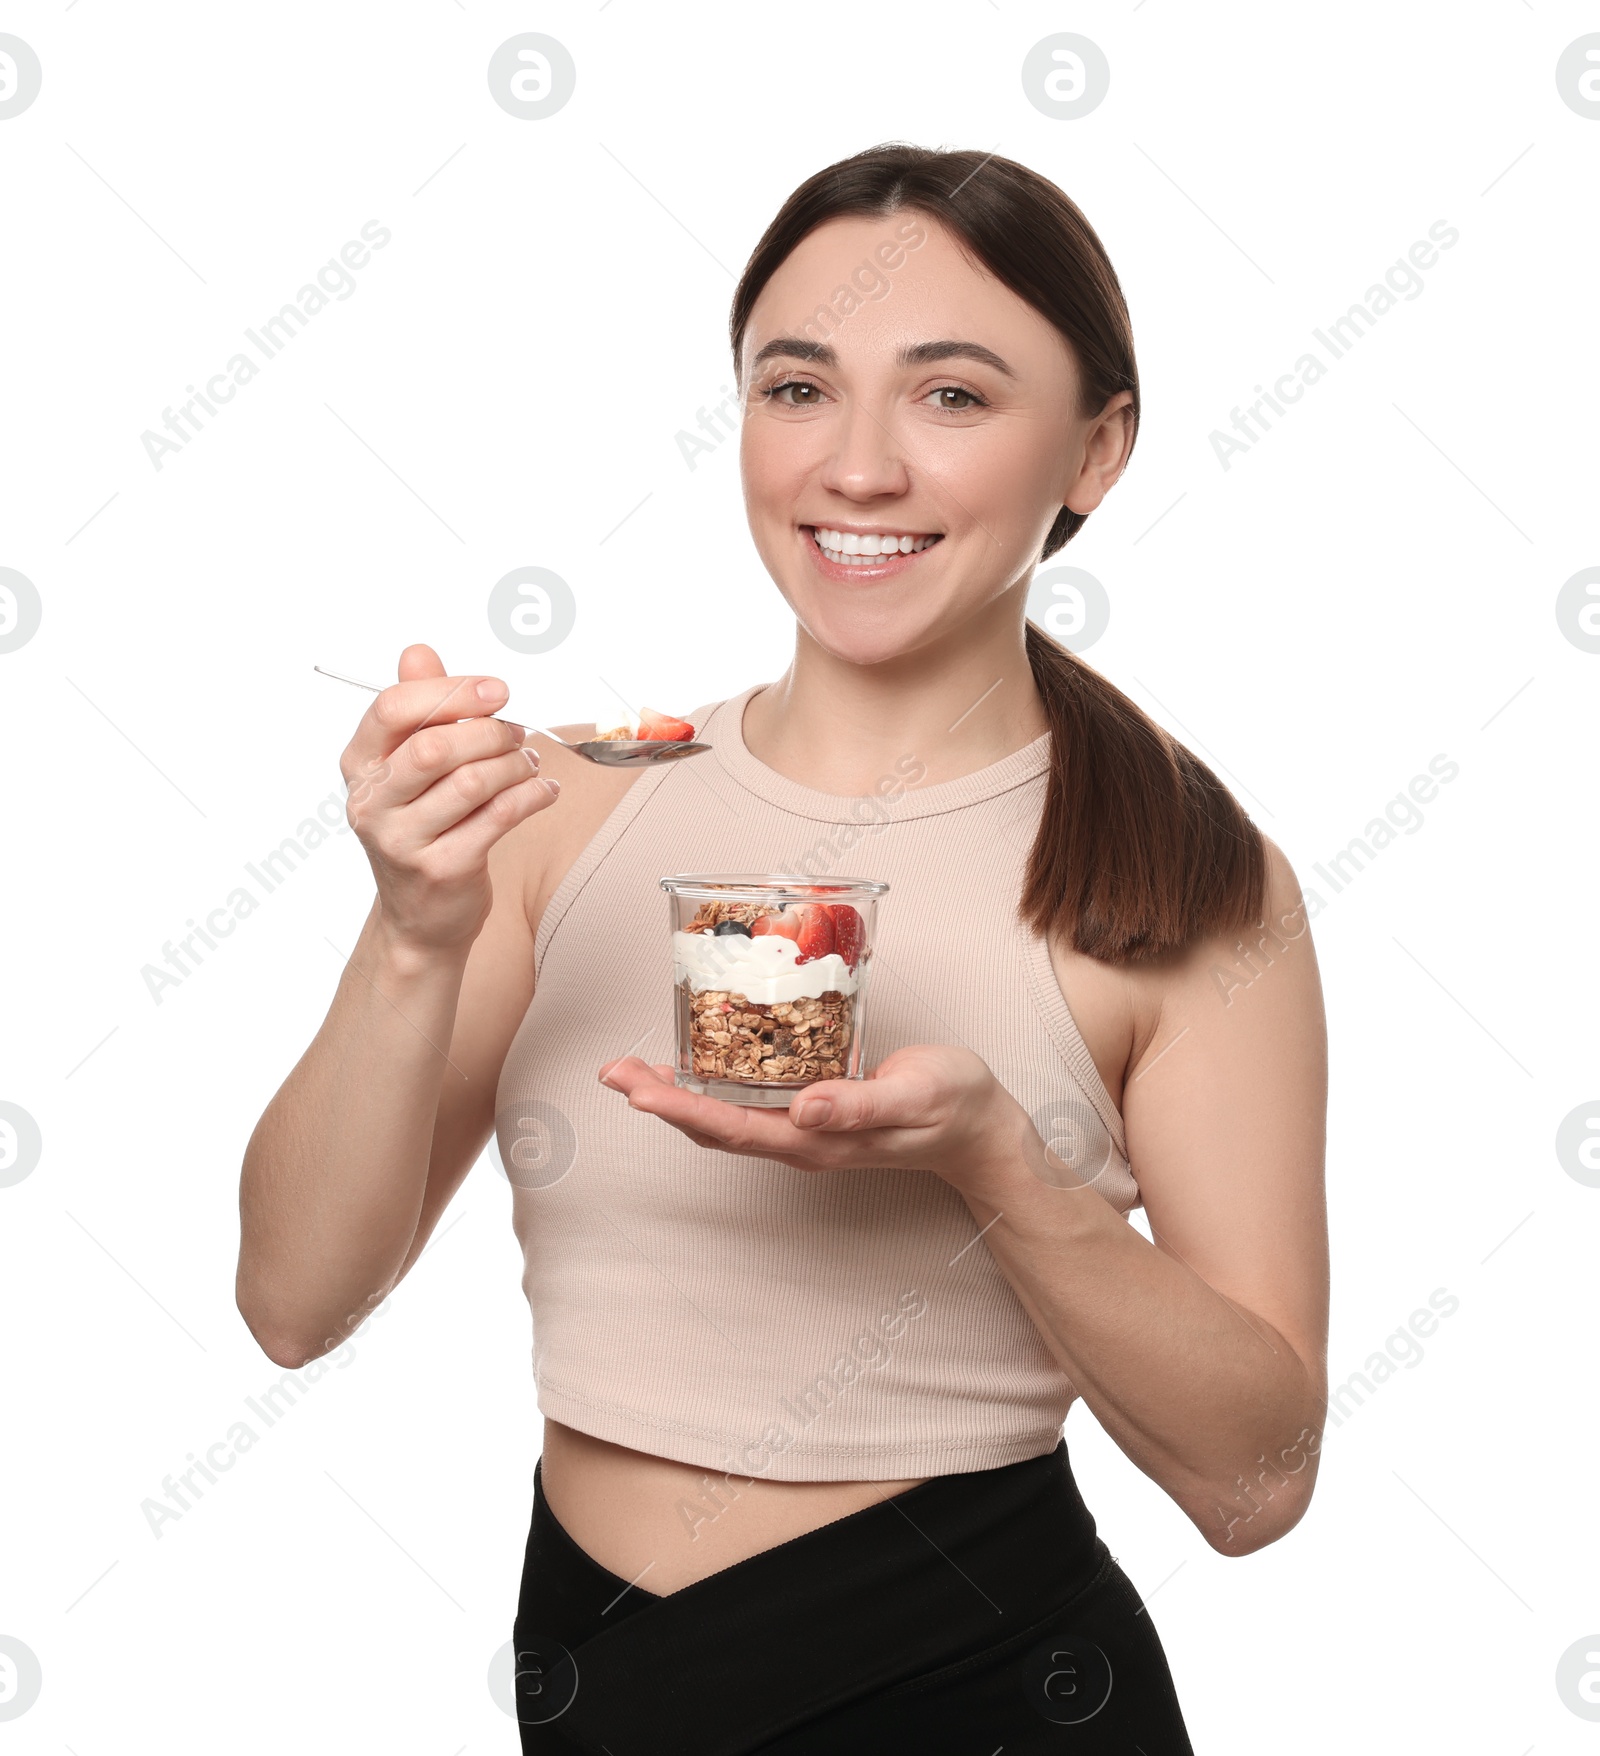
770,971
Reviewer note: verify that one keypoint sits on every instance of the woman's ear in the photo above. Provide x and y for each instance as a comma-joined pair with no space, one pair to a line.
1107,442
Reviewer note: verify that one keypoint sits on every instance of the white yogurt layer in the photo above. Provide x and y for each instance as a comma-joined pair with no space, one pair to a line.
762,969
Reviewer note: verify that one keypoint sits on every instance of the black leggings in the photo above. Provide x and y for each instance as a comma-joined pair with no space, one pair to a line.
976,1613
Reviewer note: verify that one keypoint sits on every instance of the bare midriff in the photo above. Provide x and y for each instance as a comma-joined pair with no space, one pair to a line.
662,1525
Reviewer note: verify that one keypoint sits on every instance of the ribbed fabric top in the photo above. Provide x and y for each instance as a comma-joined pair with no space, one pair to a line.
736,1313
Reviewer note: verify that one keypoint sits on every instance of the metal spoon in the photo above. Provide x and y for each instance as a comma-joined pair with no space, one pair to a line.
608,752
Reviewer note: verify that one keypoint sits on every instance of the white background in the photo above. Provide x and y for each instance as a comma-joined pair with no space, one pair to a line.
1372,585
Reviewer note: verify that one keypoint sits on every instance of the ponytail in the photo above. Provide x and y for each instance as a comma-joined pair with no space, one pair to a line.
1141,849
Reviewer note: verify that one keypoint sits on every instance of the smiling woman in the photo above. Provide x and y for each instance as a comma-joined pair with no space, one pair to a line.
749,1532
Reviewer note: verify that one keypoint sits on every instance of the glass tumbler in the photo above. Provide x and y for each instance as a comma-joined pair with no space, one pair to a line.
770,977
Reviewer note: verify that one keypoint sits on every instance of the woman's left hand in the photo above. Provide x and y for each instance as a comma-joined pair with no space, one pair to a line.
928,1107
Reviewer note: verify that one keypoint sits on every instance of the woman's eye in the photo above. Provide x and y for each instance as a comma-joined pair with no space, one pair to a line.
954,399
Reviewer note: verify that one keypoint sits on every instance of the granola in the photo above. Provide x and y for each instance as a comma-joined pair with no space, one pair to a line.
793,1040
709,914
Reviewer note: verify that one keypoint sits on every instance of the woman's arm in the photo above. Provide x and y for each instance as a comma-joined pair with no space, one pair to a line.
372,1133
1204,1355
367,1139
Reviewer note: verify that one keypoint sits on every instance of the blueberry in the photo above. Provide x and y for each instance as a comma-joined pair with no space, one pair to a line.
724,928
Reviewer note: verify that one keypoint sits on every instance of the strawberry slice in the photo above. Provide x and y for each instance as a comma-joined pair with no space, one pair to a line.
663,728
815,938
849,932
786,924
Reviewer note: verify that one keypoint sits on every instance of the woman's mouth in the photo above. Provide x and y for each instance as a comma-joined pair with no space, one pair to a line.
872,552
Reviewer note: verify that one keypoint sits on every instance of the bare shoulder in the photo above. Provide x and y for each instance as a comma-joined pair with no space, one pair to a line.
538,853
1127,1013
1219,969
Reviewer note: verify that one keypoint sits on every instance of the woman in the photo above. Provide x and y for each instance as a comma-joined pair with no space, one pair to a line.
803,1373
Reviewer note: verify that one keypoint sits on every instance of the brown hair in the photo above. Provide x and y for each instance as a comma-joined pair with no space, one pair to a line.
1141,849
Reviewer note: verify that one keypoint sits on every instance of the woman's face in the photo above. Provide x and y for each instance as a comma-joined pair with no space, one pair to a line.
901,403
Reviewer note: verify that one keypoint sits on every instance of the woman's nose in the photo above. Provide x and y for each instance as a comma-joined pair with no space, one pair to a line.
868,460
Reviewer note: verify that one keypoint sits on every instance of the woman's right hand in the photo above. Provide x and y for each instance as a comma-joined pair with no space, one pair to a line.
434,782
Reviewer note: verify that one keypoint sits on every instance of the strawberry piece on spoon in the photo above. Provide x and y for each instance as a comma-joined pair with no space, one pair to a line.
663,728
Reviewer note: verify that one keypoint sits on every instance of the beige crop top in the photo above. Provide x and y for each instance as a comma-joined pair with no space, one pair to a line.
735,1313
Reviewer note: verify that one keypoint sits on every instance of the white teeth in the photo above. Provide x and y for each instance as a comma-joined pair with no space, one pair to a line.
857,549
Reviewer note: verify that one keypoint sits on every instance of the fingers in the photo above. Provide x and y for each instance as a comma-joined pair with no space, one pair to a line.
431,772
810,1109
655,1091
434,781
714,1124
463,792
631,1074
857,1103
439,753
462,847
437,778
878,1123
405,707
915,1087
628,1071
419,661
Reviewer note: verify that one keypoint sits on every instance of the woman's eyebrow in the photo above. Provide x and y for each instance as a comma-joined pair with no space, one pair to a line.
921,353
929,353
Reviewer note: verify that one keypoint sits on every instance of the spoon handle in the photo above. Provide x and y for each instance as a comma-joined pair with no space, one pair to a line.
375,689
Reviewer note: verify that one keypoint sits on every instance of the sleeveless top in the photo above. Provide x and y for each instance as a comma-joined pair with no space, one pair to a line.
735,1313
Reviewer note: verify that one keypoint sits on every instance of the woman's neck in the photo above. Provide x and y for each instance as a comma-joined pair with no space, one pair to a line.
841,727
